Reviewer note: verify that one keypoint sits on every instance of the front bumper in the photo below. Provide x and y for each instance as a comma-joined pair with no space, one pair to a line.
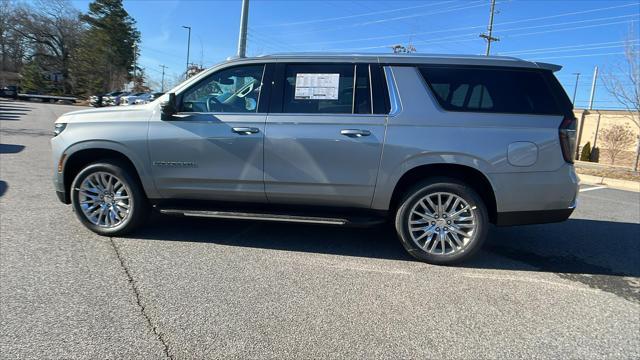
63,197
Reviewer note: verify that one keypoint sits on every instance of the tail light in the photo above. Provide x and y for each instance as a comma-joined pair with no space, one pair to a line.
567,133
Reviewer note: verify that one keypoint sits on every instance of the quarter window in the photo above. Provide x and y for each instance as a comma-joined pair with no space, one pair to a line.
234,90
495,90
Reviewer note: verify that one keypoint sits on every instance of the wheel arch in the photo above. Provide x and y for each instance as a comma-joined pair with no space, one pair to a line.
86,153
466,174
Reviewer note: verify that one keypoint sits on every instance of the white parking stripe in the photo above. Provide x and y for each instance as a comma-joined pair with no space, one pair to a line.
593,188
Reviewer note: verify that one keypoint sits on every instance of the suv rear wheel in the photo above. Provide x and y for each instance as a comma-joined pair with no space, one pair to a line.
108,199
442,221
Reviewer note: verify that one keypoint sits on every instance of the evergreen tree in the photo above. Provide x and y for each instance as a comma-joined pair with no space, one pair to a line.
33,78
104,61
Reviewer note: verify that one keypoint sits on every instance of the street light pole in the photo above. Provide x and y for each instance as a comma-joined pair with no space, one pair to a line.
188,48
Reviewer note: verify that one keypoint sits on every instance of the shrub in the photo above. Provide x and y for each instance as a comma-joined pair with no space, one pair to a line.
585,154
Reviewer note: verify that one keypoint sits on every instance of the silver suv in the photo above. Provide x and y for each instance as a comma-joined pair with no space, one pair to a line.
441,145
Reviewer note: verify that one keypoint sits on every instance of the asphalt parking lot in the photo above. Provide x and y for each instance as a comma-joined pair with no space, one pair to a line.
193,288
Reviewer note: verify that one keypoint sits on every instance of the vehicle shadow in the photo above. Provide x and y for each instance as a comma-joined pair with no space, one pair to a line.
3,187
12,111
10,148
575,246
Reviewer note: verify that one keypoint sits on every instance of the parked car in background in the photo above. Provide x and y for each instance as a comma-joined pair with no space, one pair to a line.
468,141
147,98
106,99
96,100
130,99
113,99
10,91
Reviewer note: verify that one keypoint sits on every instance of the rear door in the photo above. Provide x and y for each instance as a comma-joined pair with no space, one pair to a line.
323,138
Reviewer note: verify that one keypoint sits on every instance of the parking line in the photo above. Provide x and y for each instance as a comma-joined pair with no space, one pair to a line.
593,188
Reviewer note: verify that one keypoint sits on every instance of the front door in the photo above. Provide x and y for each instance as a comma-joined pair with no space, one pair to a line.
213,148
323,142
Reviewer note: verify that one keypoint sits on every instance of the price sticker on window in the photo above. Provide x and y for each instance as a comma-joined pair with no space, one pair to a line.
317,86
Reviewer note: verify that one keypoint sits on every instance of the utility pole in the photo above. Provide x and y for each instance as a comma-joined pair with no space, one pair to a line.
162,83
593,87
242,37
489,35
575,88
188,48
135,50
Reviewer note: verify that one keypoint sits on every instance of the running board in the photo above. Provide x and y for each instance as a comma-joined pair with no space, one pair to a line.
255,216
272,217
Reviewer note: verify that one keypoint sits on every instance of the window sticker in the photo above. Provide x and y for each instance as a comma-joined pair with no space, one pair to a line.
317,86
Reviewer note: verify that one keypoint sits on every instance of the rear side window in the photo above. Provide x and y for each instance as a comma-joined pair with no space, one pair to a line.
494,90
323,89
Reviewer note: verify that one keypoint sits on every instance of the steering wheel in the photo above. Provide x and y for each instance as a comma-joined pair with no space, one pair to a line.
214,105
242,92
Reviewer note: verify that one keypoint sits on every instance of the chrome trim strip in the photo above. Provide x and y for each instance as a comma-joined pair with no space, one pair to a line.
394,97
222,215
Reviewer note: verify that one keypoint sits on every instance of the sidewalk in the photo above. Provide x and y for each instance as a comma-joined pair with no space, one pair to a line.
609,182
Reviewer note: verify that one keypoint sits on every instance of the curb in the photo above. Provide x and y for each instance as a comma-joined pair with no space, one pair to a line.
609,182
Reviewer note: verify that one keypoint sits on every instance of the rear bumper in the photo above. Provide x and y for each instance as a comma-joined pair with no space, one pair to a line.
535,192
532,217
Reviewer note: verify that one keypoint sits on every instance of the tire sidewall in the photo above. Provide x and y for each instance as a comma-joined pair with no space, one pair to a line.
135,189
442,185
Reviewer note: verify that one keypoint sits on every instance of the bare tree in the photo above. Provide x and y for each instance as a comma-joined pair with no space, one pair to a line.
616,140
53,28
623,83
11,44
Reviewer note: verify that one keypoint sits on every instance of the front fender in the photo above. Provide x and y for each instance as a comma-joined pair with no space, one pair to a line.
144,172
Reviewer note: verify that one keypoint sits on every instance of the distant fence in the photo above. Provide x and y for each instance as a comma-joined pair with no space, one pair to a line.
590,126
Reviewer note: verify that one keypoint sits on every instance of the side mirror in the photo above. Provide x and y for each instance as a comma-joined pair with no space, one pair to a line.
169,107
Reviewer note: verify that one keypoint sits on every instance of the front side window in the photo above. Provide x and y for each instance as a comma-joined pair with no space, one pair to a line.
320,88
495,90
233,90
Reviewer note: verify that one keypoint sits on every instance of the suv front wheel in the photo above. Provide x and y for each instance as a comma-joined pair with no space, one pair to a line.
108,199
442,221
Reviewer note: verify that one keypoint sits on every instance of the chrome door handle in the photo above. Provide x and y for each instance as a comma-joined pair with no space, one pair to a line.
245,130
355,132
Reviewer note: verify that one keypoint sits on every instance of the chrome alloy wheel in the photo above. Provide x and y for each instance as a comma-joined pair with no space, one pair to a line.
442,223
105,199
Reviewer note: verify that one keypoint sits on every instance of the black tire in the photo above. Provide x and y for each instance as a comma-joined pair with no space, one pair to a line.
139,209
435,185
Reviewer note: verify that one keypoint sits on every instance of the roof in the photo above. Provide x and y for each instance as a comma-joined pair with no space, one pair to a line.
452,59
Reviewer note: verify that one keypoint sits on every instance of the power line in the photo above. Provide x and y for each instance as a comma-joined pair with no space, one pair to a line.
497,24
352,16
579,56
440,11
570,50
462,36
561,47
572,28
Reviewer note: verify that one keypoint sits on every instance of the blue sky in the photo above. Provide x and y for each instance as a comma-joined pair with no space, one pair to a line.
577,34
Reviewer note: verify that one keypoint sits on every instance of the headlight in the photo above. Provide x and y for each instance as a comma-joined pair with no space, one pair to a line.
58,128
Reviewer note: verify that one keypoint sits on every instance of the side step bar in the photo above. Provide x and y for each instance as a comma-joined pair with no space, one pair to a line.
255,216
326,218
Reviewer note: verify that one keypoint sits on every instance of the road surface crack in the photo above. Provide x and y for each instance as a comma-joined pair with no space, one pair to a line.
136,292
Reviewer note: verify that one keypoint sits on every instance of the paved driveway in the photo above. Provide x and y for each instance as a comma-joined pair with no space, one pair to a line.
192,288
